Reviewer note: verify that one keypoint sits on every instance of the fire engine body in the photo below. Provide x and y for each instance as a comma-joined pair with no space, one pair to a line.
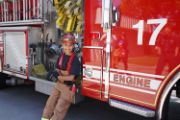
130,52
147,69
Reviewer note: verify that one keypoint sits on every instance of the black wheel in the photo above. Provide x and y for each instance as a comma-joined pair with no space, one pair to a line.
3,78
165,110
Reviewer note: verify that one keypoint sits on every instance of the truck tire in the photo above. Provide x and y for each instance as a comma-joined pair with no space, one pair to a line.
165,110
3,78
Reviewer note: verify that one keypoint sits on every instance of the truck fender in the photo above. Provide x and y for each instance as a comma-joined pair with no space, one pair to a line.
169,82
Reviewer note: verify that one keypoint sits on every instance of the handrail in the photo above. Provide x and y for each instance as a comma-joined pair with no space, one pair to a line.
102,58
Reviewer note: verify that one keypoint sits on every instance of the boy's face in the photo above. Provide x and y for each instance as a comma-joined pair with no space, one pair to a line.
67,47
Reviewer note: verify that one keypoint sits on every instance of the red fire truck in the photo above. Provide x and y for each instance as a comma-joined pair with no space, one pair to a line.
130,51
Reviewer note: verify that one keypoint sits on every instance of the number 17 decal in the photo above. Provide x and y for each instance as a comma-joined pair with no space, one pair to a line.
140,26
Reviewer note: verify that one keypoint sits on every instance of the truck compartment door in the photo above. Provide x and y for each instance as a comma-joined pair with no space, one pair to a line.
93,71
15,59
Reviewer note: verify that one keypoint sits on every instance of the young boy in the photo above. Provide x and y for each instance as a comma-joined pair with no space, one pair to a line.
68,66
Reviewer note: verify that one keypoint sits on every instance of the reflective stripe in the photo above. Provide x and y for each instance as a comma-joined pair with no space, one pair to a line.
127,71
44,119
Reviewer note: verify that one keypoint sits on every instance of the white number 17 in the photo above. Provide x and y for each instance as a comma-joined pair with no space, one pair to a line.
140,26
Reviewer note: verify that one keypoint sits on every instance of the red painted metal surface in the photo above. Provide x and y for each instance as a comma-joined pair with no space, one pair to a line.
137,69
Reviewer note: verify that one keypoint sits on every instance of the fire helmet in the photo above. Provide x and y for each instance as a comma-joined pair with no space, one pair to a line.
68,38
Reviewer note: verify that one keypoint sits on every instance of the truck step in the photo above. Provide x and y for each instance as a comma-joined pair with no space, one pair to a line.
132,108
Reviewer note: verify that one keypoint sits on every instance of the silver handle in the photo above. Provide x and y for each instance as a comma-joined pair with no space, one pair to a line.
106,14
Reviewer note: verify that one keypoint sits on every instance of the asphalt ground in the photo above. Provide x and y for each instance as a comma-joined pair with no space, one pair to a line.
23,103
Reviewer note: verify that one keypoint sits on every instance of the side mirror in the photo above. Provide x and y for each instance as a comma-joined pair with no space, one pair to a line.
115,16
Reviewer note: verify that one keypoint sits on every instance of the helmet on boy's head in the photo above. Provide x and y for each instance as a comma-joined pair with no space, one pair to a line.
68,38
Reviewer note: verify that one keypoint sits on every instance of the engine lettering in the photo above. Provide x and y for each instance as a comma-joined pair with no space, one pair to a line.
132,80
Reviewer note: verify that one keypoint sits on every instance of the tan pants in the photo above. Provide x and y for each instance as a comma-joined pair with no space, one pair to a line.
58,103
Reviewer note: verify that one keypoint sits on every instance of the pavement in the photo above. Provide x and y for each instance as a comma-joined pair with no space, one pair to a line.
23,103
